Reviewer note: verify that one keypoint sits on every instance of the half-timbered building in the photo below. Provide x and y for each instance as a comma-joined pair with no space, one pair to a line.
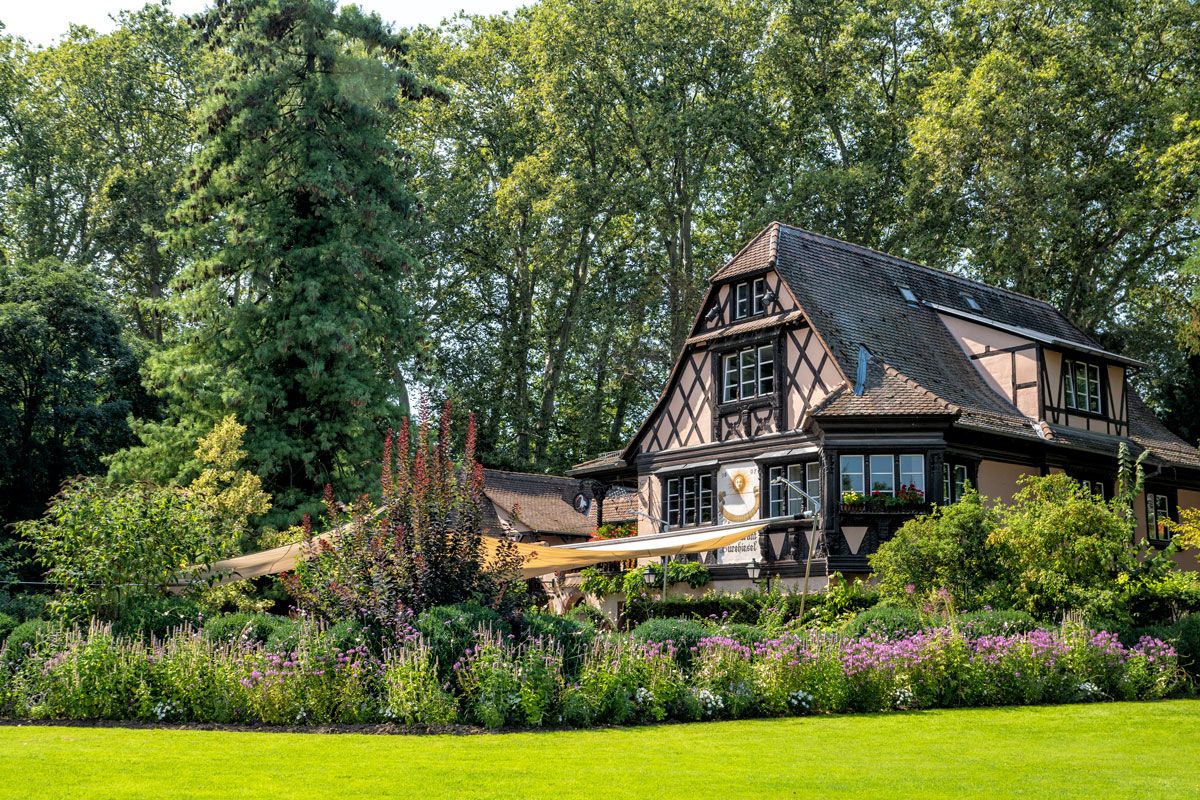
837,391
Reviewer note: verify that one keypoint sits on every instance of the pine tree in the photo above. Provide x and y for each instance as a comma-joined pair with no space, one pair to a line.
295,220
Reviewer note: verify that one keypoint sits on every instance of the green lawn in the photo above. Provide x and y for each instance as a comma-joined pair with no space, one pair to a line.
1089,751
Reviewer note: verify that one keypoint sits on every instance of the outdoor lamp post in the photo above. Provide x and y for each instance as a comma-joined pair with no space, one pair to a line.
753,570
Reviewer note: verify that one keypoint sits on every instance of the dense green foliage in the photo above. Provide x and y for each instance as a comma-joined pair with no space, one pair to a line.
299,319
282,233
68,381
105,548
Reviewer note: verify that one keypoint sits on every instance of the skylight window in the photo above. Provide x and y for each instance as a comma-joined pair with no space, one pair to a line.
907,294
972,302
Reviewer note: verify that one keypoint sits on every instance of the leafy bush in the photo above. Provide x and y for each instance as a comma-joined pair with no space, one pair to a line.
108,547
1184,635
7,624
884,622
424,548
572,635
23,638
947,550
996,623
683,634
23,606
256,628
156,616
450,630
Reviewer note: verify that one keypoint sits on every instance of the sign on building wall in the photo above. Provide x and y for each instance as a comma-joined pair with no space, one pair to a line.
738,500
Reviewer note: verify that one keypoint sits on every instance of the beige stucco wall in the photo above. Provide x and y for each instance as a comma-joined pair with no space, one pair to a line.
806,361
1002,371
998,479
686,418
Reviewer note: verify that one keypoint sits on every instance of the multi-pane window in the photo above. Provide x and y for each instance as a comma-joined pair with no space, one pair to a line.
954,482
912,472
876,474
1095,487
749,298
1081,386
748,373
688,500
784,500
1158,516
883,474
854,475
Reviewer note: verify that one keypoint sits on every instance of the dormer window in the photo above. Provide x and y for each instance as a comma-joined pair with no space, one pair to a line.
748,373
749,298
1081,386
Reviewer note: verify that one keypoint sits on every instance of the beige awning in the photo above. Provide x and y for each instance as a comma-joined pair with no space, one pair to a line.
538,559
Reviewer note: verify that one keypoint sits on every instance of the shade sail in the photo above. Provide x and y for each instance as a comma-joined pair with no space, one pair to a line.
540,559
537,559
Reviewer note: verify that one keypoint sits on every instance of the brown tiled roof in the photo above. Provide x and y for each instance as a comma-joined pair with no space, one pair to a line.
542,503
851,295
601,463
885,392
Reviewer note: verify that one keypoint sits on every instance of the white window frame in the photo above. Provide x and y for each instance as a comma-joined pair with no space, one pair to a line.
881,458
741,301
783,500
688,500
919,473
758,292
1158,510
748,373
1090,395
846,476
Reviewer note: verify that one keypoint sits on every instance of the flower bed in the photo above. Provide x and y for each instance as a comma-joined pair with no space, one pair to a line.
502,682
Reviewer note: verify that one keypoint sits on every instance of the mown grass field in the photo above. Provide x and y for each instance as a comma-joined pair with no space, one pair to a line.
1114,750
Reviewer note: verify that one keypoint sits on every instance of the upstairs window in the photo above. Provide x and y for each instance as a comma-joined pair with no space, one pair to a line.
784,500
1097,488
688,500
749,297
1081,386
748,373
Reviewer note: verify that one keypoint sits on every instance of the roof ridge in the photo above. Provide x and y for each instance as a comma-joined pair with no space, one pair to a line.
919,265
772,228
528,474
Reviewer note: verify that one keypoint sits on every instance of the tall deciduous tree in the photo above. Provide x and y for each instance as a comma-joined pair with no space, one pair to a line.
67,382
1056,148
296,218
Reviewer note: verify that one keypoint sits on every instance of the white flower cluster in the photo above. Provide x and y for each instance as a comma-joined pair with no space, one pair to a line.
800,701
1090,691
710,704
165,710
904,698
643,697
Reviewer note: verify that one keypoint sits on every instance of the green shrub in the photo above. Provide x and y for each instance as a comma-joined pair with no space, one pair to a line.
884,622
412,691
449,630
1184,635
683,634
23,638
748,635
23,606
996,623
256,628
7,624
156,616
574,636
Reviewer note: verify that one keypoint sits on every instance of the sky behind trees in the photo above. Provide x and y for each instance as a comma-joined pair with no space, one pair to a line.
44,22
